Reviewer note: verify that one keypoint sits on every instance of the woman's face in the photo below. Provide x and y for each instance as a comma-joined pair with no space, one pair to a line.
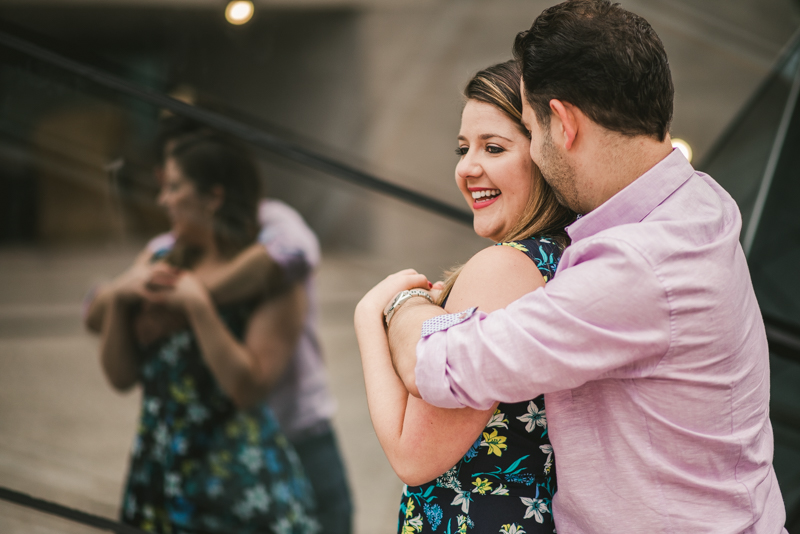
495,170
189,212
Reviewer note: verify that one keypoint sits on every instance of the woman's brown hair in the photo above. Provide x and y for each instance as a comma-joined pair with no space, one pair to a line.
499,85
208,159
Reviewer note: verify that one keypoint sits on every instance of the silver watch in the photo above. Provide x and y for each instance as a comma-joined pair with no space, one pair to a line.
400,298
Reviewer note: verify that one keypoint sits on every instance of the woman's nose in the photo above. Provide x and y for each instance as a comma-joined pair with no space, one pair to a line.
468,167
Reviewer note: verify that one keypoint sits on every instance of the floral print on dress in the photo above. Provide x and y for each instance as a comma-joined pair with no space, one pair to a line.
506,481
199,464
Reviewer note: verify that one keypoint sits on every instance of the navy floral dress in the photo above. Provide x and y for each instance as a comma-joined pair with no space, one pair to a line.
199,464
506,481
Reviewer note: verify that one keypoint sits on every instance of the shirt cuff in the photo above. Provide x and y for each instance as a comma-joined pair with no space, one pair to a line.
443,322
431,371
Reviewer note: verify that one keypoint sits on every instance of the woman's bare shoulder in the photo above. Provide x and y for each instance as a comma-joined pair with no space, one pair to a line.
493,278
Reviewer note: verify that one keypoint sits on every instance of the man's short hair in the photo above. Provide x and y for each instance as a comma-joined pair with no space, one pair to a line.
606,61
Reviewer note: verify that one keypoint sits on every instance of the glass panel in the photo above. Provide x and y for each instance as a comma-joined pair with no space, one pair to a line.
775,256
298,69
739,159
784,410
77,201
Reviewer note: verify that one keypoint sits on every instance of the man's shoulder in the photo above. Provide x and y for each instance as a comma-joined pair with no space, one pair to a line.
161,243
287,237
696,221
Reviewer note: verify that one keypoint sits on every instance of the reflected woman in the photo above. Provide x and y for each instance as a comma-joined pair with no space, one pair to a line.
208,455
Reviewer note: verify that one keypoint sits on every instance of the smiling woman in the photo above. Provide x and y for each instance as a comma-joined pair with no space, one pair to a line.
487,470
499,162
495,173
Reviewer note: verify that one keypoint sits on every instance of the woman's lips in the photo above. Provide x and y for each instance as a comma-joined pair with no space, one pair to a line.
485,197
481,203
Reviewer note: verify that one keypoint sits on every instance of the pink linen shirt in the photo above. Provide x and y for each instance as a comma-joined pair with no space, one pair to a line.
650,349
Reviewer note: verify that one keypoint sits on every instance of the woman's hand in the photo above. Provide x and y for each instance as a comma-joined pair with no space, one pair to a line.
131,285
186,291
143,281
436,290
372,304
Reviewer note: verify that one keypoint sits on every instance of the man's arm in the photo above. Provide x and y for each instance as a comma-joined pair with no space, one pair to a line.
605,315
251,273
404,332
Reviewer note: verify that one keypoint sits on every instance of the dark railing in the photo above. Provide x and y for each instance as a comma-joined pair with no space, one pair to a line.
64,512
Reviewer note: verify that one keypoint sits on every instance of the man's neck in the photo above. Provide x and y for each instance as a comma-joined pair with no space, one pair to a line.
619,163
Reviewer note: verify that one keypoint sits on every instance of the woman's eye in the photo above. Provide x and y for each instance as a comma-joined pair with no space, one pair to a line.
494,149
462,151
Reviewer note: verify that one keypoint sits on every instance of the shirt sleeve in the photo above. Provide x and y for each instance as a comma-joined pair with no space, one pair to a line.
443,322
605,315
288,239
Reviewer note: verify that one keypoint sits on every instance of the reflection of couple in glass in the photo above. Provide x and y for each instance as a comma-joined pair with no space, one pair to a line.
647,346
212,319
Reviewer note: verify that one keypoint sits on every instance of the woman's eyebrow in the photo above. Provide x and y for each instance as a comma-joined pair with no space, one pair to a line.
490,135
484,137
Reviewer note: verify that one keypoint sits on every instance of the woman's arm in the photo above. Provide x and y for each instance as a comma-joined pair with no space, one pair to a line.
118,353
420,440
246,371
98,304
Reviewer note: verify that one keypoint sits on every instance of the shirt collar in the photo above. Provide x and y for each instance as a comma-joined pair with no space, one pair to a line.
637,200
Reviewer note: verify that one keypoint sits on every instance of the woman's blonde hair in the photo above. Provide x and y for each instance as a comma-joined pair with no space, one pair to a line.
499,85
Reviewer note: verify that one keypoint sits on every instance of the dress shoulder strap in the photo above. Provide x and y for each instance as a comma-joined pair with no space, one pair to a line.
543,251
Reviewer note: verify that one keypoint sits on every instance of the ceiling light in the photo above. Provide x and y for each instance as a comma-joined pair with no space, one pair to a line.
684,147
239,11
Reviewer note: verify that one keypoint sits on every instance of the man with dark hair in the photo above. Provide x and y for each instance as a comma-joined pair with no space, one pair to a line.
648,343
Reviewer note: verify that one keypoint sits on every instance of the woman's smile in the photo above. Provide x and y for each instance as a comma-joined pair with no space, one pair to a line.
494,170
483,197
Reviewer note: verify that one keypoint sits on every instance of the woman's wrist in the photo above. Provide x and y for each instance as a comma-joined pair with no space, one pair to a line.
402,298
198,302
120,297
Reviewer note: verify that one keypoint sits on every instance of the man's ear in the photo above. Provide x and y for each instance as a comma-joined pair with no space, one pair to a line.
567,116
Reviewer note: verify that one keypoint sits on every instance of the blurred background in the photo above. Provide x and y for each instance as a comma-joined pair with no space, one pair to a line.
371,85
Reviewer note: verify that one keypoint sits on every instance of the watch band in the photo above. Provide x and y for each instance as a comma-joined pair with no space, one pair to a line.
400,298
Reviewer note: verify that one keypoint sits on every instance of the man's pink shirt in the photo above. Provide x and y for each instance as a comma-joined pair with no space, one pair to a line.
650,349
